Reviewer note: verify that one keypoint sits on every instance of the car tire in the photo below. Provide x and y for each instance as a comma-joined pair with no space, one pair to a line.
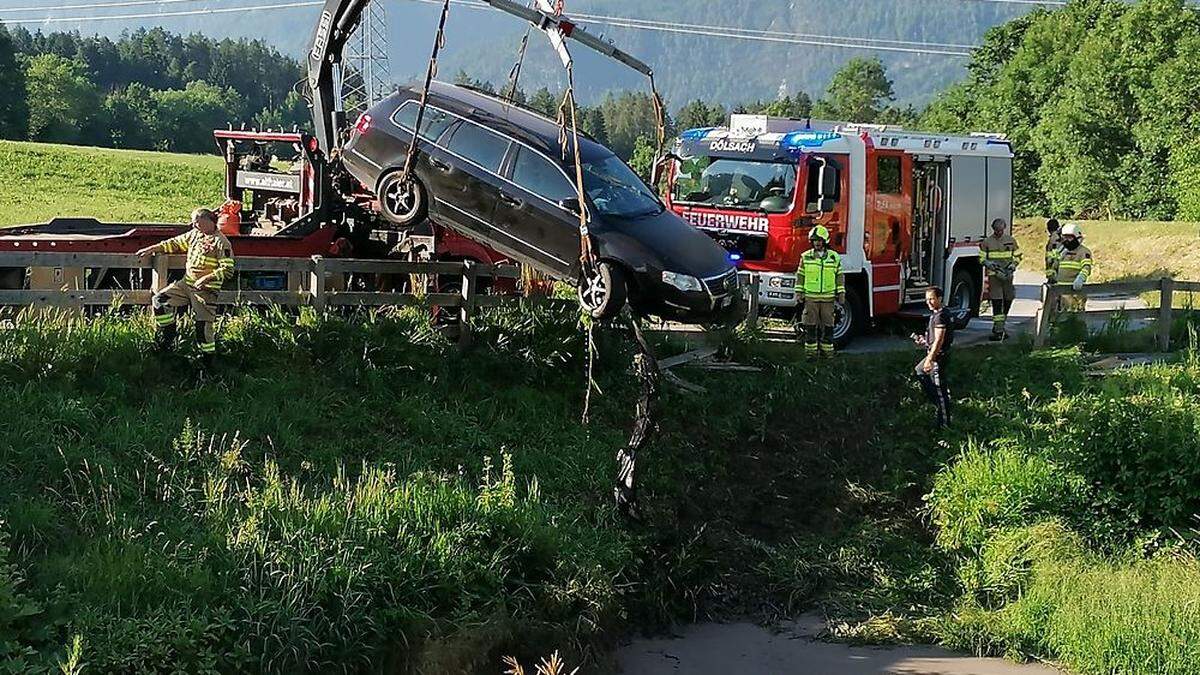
851,318
403,205
963,299
603,293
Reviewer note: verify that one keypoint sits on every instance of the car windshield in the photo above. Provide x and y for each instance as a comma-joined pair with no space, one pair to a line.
615,190
735,183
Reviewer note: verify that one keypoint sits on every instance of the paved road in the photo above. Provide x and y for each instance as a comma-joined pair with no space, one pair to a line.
747,649
1020,318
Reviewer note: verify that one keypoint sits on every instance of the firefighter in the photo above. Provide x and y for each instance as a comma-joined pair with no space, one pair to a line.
819,281
209,263
999,254
1069,268
931,370
1053,238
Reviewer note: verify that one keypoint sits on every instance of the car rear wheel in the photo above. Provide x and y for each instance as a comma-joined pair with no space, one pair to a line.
403,203
603,290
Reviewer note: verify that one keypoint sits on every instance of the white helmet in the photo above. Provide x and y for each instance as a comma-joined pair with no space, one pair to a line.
1072,230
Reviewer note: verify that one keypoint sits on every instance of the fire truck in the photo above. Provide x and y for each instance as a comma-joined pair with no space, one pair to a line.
906,210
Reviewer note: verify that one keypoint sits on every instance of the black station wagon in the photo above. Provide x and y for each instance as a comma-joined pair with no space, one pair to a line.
496,172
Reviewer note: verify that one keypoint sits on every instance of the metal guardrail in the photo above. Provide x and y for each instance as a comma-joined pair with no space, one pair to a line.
1163,315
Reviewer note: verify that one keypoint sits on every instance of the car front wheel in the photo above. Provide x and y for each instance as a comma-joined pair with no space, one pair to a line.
404,203
603,290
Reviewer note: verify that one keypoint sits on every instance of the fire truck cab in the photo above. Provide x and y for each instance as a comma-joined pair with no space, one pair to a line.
906,210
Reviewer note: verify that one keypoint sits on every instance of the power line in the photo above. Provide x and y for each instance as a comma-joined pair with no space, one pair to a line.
95,5
777,37
160,15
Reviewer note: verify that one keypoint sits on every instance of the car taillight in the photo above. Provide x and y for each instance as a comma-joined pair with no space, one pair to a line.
363,125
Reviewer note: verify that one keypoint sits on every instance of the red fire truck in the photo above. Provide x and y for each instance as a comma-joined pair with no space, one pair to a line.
905,209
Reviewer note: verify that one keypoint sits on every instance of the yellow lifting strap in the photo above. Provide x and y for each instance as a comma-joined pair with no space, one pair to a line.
439,42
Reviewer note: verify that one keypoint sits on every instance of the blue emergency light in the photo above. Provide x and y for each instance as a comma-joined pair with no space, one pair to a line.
734,257
797,141
696,134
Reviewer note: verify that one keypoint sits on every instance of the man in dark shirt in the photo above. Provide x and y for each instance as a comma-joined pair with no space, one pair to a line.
931,371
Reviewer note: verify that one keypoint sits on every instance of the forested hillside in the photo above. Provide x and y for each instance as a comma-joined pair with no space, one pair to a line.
484,43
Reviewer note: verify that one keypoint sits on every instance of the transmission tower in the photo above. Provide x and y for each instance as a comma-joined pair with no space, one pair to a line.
368,73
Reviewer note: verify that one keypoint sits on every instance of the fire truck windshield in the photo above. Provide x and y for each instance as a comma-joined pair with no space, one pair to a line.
735,183
616,190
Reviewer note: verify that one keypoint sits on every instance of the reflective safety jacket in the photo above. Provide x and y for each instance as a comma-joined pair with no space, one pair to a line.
999,256
1064,265
820,278
206,253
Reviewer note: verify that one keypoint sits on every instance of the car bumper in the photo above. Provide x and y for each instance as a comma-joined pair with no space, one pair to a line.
722,300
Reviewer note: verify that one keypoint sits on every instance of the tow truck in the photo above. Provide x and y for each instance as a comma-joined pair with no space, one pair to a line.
311,207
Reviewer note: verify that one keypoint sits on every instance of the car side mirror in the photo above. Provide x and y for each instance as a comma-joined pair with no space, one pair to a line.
571,204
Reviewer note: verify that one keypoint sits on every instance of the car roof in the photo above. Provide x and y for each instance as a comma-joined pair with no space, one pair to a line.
525,125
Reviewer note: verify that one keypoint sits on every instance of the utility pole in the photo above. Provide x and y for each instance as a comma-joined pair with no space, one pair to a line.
368,72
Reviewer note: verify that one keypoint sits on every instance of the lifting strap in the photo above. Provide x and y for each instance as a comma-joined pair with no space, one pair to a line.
406,173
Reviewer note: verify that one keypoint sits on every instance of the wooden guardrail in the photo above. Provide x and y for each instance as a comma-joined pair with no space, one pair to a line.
1163,314
318,282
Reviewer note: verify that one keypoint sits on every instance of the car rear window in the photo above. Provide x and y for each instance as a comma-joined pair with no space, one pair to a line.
478,145
432,125
536,174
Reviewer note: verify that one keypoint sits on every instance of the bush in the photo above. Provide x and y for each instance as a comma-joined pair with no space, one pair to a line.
989,489
1136,441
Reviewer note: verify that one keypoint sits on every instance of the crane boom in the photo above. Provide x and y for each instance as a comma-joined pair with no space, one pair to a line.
338,20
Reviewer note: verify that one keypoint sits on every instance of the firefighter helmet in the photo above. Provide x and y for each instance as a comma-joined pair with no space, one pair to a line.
819,232
1072,230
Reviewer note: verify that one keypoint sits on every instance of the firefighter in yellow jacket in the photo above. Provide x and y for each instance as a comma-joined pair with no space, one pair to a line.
1069,268
209,264
819,282
1000,255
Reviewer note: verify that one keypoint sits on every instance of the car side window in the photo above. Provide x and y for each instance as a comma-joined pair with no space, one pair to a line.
478,145
537,175
433,124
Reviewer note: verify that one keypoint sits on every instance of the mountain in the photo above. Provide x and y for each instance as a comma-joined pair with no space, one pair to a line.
484,43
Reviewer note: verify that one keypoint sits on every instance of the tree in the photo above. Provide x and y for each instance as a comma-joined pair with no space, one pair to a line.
544,102
591,121
857,93
14,104
62,101
187,117
293,112
627,117
462,78
642,158
698,115
130,117
792,107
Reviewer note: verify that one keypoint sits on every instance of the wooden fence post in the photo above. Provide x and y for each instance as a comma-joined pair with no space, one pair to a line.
317,284
466,310
1045,315
752,312
158,277
1165,319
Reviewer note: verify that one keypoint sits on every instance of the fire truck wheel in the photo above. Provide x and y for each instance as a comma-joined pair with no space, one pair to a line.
850,318
603,292
963,299
402,203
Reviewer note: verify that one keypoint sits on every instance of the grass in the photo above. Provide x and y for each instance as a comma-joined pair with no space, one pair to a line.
351,494
43,181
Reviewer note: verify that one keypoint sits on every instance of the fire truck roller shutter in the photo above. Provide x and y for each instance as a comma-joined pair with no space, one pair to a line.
999,190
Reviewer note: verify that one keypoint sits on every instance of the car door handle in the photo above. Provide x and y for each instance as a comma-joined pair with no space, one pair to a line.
512,201
439,165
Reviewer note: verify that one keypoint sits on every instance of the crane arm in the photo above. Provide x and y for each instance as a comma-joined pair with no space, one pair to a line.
338,20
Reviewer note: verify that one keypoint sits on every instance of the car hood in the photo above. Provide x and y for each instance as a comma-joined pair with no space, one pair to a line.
681,247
